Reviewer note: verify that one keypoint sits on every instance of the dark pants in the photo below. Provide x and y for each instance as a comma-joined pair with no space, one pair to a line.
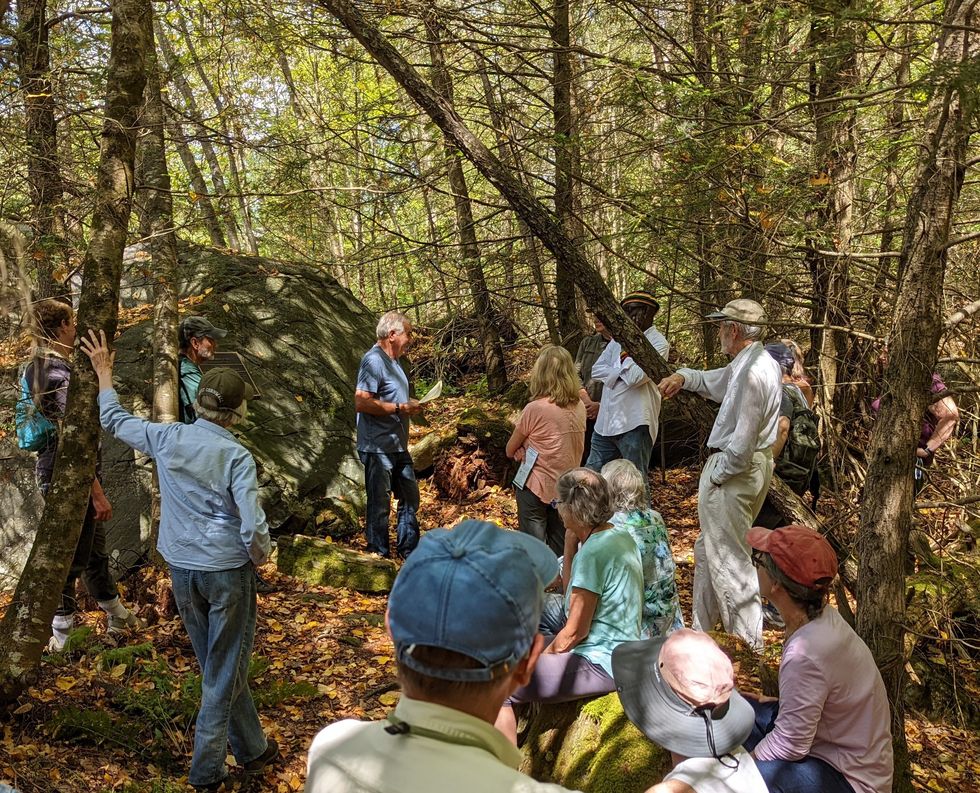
809,775
540,520
384,475
90,562
589,432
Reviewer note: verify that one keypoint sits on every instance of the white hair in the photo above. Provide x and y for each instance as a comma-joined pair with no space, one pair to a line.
626,485
391,321
744,331
222,417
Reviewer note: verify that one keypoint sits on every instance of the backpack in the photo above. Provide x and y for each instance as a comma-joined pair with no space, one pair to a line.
35,431
798,461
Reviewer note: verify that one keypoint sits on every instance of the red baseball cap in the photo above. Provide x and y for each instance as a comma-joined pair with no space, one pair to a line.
802,554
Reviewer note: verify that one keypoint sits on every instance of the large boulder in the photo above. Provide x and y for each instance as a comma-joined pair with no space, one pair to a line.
301,335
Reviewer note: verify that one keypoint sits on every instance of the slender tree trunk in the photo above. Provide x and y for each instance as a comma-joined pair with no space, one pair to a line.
202,196
886,506
834,42
566,157
49,248
178,80
493,351
26,622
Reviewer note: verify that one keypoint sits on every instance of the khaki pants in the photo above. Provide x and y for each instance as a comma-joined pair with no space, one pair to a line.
725,583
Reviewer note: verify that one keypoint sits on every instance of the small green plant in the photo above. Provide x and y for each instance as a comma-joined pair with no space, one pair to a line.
81,725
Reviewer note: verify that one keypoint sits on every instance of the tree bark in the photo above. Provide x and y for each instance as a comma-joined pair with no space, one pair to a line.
493,351
886,506
49,248
202,196
26,623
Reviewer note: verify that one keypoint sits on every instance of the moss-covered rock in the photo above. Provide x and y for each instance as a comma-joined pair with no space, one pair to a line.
590,745
489,430
320,562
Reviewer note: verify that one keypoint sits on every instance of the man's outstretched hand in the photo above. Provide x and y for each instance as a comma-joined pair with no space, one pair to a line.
97,349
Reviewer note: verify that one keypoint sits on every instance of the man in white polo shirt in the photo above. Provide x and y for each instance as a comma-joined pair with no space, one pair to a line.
736,476
629,413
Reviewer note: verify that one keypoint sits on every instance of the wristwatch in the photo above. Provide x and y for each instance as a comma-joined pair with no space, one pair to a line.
398,408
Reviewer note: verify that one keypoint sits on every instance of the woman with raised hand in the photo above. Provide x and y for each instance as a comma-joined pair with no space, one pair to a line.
553,425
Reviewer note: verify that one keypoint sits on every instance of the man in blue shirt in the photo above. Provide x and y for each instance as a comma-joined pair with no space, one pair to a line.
212,534
383,402
198,340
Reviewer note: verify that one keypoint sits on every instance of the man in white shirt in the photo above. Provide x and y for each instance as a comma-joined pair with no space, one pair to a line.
679,691
736,476
463,616
629,413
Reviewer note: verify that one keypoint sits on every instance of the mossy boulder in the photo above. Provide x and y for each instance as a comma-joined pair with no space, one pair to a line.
318,562
490,431
590,745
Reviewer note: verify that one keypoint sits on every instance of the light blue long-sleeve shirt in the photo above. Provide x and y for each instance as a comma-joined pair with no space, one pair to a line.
210,518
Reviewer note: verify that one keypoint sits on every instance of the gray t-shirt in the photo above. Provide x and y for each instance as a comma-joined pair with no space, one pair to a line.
386,379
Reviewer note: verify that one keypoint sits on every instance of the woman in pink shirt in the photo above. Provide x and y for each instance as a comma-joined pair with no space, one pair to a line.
553,425
830,729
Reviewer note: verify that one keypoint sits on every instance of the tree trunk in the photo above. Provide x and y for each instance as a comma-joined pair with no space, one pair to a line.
201,196
493,351
886,506
566,159
49,249
26,622
156,210
834,40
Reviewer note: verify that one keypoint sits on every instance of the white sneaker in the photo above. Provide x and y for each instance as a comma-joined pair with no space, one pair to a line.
55,644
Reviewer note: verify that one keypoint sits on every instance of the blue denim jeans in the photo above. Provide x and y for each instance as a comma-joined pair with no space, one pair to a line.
218,611
809,775
634,445
385,474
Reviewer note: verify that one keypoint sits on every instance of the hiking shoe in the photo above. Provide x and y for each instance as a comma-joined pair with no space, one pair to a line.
55,644
259,764
123,625
262,586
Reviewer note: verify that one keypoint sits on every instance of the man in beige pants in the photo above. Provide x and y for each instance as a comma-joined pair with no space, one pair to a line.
736,476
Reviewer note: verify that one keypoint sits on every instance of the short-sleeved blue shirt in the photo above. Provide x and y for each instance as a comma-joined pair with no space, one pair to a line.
387,380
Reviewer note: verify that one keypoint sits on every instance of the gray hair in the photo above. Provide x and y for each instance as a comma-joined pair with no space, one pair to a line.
585,495
223,418
744,331
391,321
627,489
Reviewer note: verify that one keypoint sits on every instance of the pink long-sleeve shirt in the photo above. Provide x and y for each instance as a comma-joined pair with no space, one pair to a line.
832,705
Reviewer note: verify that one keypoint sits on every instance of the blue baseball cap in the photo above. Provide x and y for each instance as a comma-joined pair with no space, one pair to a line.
476,589
782,355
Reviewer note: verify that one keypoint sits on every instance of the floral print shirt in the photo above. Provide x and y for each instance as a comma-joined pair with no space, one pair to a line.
661,607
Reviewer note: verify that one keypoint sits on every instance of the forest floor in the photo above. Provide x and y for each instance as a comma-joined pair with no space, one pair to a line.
105,718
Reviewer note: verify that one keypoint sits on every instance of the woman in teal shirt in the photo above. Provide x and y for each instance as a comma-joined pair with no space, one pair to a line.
602,581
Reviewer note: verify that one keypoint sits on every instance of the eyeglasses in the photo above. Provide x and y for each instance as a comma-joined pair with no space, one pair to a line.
555,502
758,557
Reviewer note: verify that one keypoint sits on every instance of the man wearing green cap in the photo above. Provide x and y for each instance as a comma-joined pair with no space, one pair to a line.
629,413
198,342
736,476
212,535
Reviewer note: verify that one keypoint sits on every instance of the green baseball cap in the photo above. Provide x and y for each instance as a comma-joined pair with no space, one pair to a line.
222,389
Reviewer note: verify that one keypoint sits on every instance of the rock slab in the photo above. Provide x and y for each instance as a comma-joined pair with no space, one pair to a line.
320,562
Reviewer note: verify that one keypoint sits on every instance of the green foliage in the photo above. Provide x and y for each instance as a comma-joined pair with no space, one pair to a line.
80,725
